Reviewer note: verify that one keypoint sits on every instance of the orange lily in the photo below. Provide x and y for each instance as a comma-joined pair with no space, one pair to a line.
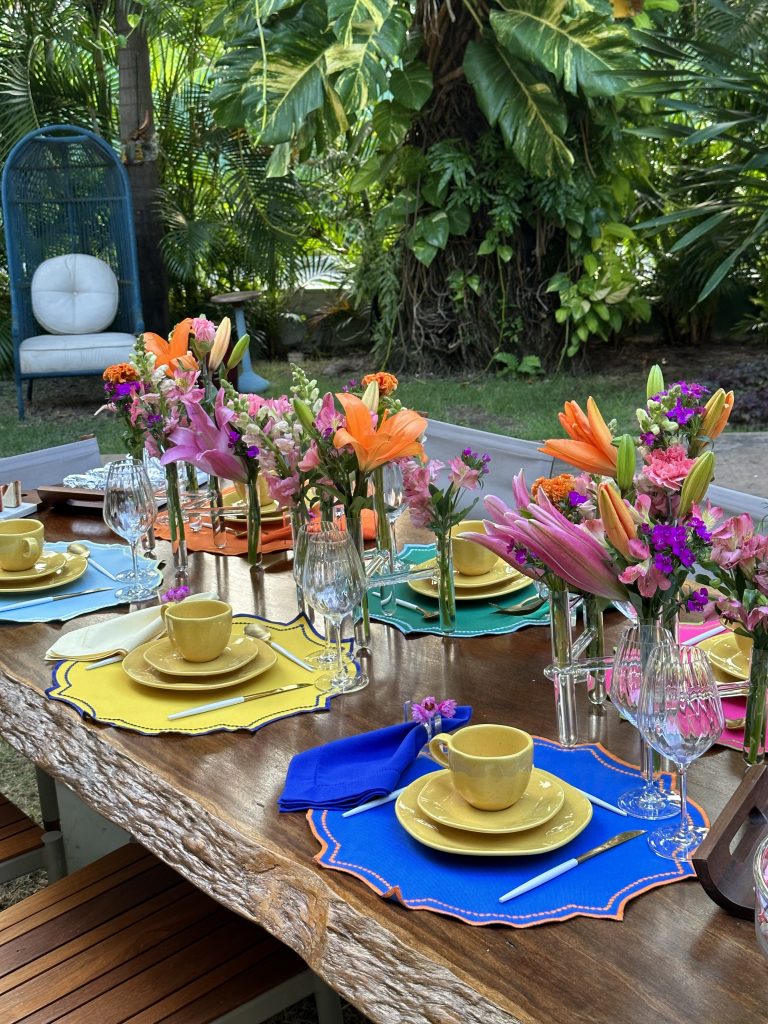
718,413
618,524
395,436
173,354
590,446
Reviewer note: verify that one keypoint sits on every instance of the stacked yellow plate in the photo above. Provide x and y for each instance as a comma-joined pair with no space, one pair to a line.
548,815
499,580
52,569
158,665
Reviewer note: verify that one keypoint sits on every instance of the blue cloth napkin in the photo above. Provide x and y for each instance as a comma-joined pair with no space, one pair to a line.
114,557
358,768
473,618
375,848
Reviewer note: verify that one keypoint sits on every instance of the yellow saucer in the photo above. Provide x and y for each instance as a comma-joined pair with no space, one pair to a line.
729,652
540,802
137,668
73,568
509,585
572,818
239,652
44,566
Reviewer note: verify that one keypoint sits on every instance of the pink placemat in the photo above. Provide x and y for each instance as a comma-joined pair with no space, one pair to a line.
733,707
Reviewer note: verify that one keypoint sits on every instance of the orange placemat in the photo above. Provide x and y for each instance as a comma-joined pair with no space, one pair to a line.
274,537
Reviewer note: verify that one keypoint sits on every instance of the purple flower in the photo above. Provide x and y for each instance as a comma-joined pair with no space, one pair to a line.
575,499
691,390
648,439
697,600
431,706
699,527
252,452
681,413
174,594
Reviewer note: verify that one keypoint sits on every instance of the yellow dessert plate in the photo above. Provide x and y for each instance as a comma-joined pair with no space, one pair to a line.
72,569
44,566
541,801
500,573
729,652
137,668
510,584
572,818
240,650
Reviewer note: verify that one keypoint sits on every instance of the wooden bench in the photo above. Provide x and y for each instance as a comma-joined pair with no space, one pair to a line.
128,940
25,847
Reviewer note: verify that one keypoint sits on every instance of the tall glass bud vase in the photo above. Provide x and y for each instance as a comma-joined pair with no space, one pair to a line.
446,585
176,520
562,652
363,618
215,506
383,530
254,514
593,621
754,726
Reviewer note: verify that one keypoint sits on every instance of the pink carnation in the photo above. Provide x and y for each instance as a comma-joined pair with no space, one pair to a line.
667,467
203,328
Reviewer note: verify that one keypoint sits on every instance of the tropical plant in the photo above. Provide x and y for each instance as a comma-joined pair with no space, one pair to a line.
707,72
486,135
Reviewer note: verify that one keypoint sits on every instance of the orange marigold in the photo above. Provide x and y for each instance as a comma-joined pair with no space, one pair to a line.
387,381
120,373
556,488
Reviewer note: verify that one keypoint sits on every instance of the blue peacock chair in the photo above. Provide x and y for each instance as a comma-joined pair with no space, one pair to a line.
68,219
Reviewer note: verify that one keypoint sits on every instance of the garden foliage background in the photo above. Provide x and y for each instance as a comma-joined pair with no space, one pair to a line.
488,183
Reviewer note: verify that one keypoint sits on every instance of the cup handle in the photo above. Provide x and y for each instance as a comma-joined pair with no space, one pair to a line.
32,546
436,748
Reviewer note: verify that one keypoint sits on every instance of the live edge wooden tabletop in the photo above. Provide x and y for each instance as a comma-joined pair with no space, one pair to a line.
207,806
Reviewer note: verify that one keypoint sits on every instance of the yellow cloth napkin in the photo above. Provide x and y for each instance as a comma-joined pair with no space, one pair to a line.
117,635
108,695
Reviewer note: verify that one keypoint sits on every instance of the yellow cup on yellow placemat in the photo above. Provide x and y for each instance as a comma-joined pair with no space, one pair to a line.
21,544
198,630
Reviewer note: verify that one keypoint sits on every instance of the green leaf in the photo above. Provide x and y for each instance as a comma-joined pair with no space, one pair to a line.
532,119
585,53
591,263
487,246
702,228
435,229
390,122
505,252
411,86
459,219
423,251
347,15
279,161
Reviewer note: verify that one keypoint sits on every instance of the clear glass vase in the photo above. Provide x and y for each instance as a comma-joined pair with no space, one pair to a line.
215,508
254,514
176,520
561,641
446,585
756,716
354,525
592,610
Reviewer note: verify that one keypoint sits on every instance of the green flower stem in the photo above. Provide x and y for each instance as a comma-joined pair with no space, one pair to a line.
446,586
593,619
754,727
562,651
254,514
176,520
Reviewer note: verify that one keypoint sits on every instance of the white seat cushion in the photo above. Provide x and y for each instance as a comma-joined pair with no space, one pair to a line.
74,294
74,353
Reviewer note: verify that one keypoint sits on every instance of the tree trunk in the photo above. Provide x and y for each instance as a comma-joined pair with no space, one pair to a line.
139,149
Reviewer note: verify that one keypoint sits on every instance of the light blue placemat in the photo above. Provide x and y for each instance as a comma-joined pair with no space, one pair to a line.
115,557
473,618
375,848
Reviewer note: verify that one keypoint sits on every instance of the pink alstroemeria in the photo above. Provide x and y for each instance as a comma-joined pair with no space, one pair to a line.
568,549
463,475
205,442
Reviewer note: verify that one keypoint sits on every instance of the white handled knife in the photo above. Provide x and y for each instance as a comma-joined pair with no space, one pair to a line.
560,869
201,709
50,600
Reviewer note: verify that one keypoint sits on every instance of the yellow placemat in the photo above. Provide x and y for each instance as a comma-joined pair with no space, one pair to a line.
109,696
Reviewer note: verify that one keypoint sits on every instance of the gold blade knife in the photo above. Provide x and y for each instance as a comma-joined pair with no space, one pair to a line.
201,709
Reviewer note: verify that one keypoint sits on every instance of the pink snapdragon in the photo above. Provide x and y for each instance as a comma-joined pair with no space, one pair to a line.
417,478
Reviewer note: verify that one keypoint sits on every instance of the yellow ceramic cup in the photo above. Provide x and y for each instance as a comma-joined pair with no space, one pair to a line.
198,630
490,765
21,544
471,559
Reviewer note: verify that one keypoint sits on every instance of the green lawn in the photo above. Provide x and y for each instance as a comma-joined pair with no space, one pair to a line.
64,410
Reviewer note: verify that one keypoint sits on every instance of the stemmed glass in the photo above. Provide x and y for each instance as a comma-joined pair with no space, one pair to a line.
129,510
333,581
681,716
635,645
395,504
146,575
327,656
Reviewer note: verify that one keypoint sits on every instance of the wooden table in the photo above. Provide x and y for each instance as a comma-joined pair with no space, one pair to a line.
207,806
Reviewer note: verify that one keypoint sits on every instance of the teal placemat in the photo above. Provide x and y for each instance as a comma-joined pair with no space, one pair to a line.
473,618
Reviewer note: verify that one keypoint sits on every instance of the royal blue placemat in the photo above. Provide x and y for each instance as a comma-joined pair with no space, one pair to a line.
114,557
375,848
473,618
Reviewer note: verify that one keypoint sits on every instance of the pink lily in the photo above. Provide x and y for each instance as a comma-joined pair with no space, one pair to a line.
568,549
205,442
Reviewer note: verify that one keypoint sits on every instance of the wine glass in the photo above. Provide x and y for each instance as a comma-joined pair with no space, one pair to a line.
632,654
146,575
333,581
395,504
129,510
327,656
680,715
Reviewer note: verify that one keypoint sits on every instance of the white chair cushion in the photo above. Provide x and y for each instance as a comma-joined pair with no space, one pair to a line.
53,354
74,294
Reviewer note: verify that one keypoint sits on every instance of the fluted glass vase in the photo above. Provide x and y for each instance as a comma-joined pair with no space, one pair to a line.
254,513
756,715
176,520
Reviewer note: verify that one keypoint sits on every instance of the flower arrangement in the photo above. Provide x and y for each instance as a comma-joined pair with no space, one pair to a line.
121,380
430,711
